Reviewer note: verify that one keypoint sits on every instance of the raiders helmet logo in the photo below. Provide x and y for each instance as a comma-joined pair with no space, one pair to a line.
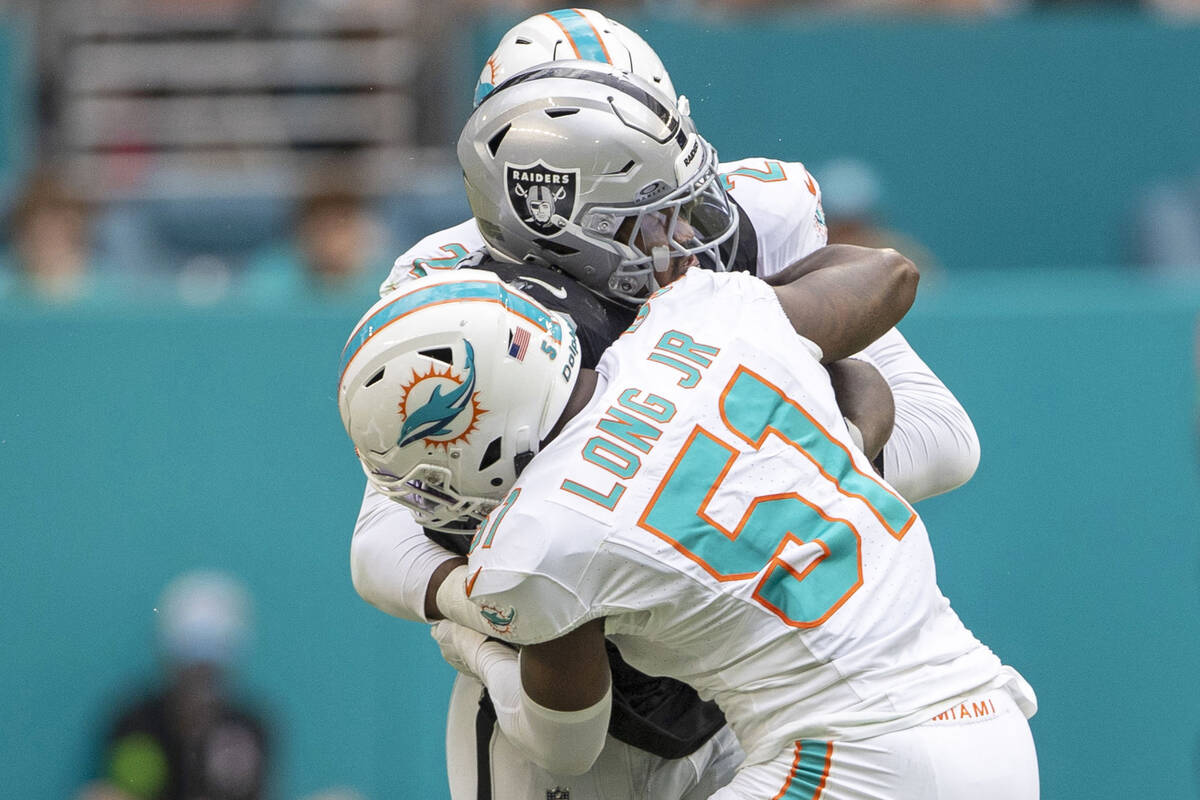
538,192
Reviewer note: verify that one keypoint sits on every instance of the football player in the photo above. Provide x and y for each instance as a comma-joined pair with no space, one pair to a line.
698,500
667,734
664,741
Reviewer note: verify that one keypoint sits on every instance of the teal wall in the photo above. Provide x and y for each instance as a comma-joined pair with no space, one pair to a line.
1075,551
1000,142
137,444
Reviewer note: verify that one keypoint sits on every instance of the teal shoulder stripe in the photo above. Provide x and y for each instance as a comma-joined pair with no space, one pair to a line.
440,293
582,34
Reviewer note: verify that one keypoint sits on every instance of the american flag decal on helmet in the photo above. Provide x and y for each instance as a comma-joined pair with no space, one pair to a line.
518,343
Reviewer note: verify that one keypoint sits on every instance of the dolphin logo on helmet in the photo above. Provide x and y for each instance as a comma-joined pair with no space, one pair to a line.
434,417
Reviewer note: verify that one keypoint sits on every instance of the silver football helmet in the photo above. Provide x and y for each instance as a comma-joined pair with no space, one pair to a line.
590,169
573,34
447,388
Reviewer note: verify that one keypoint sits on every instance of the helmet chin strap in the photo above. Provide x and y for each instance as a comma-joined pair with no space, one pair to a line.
521,461
526,449
660,257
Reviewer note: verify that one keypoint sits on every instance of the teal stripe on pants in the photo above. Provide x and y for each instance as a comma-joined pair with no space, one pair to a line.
808,779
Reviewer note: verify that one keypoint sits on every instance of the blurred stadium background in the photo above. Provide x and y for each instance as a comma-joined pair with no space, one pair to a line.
171,170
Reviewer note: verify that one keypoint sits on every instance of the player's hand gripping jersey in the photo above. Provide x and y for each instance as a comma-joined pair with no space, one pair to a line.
709,504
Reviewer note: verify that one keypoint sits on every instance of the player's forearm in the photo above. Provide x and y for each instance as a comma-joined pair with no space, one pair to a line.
562,742
824,257
864,398
443,570
933,447
392,561
853,298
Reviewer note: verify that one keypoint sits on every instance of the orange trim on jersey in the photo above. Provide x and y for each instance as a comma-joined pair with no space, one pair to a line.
791,775
447,249
769,429
760,175
700,511
776,561
616,485
733,534
471,581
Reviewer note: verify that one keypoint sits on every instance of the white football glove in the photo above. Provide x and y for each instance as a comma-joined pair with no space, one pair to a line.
460,646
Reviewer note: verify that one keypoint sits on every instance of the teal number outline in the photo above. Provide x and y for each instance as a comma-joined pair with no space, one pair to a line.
457,253
773,172
753,409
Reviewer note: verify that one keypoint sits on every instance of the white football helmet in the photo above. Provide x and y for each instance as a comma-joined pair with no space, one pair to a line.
447,388
592,170
573,34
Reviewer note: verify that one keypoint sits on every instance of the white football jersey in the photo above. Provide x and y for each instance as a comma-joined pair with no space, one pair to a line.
709,504
780,198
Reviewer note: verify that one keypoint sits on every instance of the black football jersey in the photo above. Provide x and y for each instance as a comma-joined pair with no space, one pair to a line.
598,322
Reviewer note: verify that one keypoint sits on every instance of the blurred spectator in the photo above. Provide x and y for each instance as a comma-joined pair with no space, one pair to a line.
190,740
852,195
50,258
338,254
885,7
1166,228
1182,9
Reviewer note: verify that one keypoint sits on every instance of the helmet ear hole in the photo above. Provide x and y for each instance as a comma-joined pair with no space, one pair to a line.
376,378
557,248
495,142
491,455
442,354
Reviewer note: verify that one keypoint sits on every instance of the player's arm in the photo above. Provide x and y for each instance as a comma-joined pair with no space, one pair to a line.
843,297
865,400
552,701
934,447
393,564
